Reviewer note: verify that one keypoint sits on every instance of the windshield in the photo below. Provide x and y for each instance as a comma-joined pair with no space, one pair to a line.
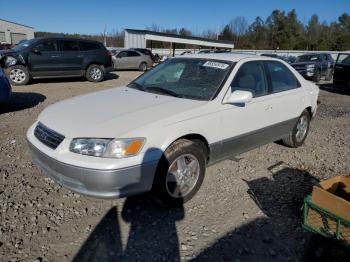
307,58
23,45
185,77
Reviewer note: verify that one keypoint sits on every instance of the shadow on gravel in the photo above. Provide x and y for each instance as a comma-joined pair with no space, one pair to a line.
109,76
279,236
22,100
330,87
152,235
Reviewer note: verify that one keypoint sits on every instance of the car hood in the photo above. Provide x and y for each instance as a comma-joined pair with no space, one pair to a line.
304,63
112,113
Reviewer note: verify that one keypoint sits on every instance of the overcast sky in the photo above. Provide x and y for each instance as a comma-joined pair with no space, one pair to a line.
90,17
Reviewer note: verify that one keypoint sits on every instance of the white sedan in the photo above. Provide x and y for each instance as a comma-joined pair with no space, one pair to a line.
160,132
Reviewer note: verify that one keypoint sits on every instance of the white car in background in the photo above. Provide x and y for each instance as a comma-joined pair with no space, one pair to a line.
160,132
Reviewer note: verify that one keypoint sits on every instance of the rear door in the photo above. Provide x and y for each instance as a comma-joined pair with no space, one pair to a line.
71,59
342,69
134,59
43,59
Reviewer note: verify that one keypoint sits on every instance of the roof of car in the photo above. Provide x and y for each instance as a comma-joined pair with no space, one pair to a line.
234,57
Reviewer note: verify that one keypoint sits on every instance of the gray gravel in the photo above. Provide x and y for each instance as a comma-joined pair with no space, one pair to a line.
248,209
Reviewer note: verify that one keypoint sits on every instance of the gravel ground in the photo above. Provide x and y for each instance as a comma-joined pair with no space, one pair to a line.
248,209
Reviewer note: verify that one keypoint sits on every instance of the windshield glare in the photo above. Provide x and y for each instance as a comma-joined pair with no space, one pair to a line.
185,77
23,45
307,58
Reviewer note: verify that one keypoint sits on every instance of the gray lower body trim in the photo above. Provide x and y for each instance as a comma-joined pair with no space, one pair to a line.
240,144
94,182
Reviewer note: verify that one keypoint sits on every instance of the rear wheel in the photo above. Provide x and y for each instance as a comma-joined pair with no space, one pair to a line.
18,75
299,133
143,67
95,73
180,173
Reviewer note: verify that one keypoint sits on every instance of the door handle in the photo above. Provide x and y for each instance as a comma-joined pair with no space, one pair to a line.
79,56
338,66
55,56
268,108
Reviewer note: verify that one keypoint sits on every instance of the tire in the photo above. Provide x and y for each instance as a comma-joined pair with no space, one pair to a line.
190,154
18,75
317,77
143,67
95,73
299,133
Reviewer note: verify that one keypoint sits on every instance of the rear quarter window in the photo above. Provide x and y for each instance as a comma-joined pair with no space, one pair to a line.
88,46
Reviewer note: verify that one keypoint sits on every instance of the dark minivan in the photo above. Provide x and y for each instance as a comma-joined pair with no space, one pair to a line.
56,57
341,75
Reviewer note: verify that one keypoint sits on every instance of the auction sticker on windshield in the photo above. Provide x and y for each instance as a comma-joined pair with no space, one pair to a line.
219,65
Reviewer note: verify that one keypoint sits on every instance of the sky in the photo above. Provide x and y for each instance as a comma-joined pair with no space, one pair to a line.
90,17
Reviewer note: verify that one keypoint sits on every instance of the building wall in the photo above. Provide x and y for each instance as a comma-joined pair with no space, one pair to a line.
12,32
134,40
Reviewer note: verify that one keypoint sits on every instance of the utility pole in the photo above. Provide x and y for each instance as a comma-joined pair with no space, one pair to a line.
105,36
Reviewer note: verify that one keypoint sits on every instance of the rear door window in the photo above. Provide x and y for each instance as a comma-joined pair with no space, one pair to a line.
282,79
133,53
47,46
69,45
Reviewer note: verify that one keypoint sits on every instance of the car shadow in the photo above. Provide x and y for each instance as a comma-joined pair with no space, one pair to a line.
277,235
22,100
152,229
108,76
332,88
152,235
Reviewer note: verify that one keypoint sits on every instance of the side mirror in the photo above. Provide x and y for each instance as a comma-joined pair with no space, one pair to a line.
239,97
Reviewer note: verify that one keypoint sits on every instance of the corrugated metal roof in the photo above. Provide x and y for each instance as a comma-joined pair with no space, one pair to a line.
16,23
137,31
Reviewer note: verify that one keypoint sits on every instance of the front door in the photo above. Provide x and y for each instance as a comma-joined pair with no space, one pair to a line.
342,69
43,59
245,126
122,61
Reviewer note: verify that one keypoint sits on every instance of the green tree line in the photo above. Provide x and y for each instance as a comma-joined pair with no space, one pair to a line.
280,30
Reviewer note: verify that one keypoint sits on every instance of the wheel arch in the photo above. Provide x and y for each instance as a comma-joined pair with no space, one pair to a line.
195,137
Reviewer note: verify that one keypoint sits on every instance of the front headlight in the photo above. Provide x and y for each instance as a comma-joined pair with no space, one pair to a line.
10,61
110,148
310,67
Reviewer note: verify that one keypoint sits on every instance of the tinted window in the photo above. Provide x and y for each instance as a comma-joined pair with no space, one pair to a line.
47,46
251,77
123,54
281,77
307,58
87,46
132,53
69,45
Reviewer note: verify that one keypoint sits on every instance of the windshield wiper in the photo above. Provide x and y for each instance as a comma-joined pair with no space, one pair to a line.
136,85
161,90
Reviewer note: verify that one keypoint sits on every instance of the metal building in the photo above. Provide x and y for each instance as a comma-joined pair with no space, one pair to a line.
12,33
138,38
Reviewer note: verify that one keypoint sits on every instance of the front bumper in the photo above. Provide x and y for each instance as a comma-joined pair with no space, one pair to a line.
95,182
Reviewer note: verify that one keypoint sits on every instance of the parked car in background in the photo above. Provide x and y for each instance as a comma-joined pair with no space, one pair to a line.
160,132
314,66
5,88
342,70
132,59
56,57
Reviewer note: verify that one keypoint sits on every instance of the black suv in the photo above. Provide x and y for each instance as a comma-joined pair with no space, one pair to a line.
56,57
314,66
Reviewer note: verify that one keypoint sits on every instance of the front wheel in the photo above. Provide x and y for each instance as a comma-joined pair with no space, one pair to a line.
317,77
299,133
143,67
180,173
18,75
95,73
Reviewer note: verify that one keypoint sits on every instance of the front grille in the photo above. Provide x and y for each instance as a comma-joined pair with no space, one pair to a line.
47,136
299,67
